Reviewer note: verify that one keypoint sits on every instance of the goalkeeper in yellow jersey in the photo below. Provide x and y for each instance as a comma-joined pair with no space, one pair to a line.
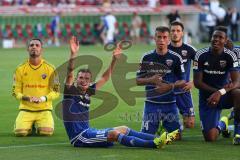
36,85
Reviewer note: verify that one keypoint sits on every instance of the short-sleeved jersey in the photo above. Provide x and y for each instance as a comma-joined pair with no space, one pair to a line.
40,80
215,68
76,109
187,53
236,50
175,69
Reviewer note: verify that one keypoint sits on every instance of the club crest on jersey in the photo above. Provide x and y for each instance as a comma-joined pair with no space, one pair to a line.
151,63
206,63
223,64
184,53
169,62
44,76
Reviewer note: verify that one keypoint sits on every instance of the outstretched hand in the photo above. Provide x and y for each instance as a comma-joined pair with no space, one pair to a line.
74,45
118,51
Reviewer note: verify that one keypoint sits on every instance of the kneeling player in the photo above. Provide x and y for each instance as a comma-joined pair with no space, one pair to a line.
76,112
212,68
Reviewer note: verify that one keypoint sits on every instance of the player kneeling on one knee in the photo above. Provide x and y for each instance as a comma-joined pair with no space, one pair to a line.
212,68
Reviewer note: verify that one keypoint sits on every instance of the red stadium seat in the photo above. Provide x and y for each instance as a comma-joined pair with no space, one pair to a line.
68,29
17,32
145,33
8,33
124,32
29,31
49,33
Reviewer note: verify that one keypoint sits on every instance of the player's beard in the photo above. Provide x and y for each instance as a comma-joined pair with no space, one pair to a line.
34,54
176,40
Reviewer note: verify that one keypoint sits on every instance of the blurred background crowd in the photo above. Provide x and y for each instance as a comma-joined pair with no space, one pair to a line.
136,22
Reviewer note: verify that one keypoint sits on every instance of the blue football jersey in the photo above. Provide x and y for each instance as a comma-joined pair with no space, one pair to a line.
236,50
76,110
175,68
187,53
215,68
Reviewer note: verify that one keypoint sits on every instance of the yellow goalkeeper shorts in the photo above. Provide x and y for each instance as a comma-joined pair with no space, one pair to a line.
26,119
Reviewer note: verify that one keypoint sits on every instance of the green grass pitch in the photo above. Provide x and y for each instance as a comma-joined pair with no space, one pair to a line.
57,147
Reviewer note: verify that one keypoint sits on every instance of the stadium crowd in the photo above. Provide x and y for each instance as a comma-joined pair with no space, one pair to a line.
97,2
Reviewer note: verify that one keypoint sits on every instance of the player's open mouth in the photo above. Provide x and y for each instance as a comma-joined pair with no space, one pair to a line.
215,44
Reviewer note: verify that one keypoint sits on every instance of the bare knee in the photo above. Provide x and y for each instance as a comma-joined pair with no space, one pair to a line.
113,135
122,129
189,122
211,135
45,131
22,132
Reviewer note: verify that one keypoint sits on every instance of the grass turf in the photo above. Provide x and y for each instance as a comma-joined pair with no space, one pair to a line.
57,147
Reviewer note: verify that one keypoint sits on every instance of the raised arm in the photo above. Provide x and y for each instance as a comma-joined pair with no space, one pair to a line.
74,47
106,75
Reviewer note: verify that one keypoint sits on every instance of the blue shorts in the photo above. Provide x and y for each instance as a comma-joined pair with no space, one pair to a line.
210,116
154,113
185,104
92,137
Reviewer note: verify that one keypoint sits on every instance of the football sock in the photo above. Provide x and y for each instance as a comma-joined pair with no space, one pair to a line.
141,135
236,127
221,126
131,141
236,121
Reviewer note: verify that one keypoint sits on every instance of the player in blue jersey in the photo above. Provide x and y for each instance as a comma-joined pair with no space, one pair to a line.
212,67
76,105
236,50
161,108
187,52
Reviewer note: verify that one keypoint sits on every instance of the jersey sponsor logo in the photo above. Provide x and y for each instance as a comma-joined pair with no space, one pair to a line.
169,62
214,72
184,53
223,64
100,135
206,63
34,86
44,76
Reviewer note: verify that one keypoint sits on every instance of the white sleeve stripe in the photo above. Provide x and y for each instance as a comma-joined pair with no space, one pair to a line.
174,53
191,46
150,52
200,52
234,57
237,51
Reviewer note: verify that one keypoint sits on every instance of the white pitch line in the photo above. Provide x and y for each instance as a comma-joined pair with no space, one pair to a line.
63,143
33,145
